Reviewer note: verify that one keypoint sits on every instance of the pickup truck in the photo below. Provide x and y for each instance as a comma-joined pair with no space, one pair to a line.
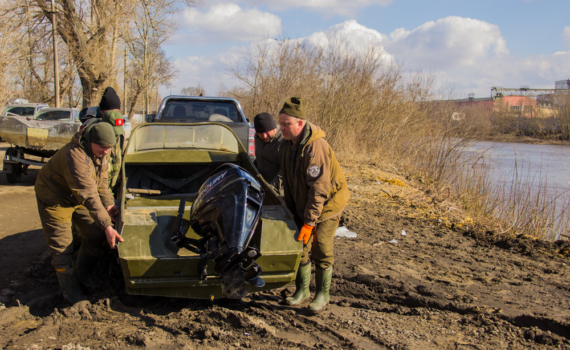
198,109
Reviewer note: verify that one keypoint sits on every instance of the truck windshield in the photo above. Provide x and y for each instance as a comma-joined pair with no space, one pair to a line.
199,111
164,136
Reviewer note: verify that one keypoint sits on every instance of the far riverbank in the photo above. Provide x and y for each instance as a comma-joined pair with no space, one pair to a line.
509,138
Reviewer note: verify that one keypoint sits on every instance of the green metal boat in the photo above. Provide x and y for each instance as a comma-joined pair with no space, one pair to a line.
166,163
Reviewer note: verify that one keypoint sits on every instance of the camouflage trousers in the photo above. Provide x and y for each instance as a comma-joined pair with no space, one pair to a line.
321,244
56,223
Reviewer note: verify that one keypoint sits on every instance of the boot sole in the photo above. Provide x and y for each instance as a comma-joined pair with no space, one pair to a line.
298,303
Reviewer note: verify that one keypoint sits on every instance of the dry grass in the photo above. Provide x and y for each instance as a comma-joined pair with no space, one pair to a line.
517,203
376,112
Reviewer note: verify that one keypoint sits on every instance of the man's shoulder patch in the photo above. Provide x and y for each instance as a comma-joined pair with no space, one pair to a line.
314,171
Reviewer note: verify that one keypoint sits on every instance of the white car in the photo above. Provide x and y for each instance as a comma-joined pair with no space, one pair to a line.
127,126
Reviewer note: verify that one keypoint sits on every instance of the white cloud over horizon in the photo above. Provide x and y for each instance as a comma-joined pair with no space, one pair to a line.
228,22
357,38
469,54
448,42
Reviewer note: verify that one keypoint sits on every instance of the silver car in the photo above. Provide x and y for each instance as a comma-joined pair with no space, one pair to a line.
127,126
22,109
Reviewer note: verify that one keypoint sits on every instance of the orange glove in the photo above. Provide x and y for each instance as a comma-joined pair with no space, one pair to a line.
305,233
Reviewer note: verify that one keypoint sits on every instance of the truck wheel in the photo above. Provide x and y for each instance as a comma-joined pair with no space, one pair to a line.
17,169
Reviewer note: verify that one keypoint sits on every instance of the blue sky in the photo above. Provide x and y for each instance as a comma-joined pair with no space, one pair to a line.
468,45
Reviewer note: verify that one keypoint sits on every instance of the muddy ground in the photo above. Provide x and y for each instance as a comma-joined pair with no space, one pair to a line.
444,285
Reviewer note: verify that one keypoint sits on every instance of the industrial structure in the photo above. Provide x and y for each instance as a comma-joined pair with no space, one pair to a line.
524,101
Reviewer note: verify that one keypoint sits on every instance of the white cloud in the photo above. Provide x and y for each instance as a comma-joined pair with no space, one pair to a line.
229,22
448,42
566,34
331,7
358,38
470,54
211,71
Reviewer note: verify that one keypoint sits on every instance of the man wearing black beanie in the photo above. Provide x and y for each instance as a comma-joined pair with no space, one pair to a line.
110,106
268,141
110,100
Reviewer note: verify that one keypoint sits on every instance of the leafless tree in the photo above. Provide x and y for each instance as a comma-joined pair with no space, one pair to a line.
150,27
193,90
89,31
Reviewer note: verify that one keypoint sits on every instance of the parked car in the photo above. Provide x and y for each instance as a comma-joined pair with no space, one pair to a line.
41,135
127,126
22,109
58,114
198,109
237,238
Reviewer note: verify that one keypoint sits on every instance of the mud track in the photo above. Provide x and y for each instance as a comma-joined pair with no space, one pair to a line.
444,285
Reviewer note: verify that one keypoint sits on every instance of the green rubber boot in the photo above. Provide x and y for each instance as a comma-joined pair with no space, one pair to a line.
69,286
302,283
323,280
84,267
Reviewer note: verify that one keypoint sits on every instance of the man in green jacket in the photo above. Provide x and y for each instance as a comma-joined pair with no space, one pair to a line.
110,105
316,192
74,184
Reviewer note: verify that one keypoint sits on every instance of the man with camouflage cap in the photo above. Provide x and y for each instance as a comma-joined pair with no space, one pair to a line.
74,184
316,192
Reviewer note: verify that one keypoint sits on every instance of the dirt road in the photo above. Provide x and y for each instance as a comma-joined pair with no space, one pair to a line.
442,286
21,237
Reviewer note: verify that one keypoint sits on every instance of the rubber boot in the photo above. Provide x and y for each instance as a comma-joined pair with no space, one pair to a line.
323,281
69,286
84,267
302,283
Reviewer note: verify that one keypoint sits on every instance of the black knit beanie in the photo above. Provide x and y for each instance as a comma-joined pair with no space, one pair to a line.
264,122
110,100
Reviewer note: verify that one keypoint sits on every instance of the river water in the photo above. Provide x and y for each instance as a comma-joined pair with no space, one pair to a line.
537,166
549,164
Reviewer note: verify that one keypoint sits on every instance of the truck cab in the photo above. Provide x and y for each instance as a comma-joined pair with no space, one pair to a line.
200,109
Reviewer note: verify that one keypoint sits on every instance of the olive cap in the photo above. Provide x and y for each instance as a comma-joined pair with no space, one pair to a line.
102,134
295,107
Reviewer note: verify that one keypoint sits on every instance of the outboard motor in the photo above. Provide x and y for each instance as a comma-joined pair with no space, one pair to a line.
225,214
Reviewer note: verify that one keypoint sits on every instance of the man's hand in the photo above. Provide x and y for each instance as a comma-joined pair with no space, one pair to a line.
305,234
112,234
113,210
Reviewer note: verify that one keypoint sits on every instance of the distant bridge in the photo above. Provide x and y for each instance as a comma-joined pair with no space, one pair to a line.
497,91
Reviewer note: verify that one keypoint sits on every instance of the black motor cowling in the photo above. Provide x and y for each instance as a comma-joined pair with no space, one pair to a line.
225,214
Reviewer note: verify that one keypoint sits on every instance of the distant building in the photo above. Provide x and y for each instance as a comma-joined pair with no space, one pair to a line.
562,84
517,105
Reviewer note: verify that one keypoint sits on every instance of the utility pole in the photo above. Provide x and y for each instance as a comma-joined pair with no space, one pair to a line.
55,68
125,84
